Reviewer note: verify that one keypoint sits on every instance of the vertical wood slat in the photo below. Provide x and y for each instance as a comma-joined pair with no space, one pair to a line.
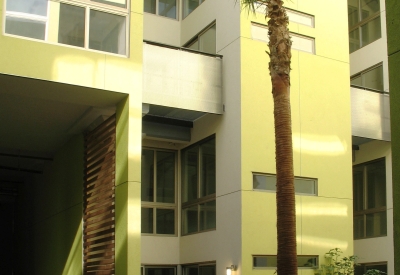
98,200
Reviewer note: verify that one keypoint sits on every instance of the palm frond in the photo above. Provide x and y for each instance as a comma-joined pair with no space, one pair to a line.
252,5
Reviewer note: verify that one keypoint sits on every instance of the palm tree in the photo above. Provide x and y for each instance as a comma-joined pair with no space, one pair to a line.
279,67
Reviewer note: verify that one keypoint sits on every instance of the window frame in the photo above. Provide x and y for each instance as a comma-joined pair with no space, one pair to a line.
88,5
363,22
362,73
198,265
365,266
144,267
157,10
99,7
162,205
275,256
295,177
200,200
365,211
184,3
27,16
198,35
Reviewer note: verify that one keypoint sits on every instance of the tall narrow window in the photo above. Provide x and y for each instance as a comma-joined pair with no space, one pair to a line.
158,192
198,187
364,22
26,18
369,199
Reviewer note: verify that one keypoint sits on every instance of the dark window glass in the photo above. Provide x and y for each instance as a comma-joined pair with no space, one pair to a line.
165,177
147,175
165,221
369,200
71,29
147,220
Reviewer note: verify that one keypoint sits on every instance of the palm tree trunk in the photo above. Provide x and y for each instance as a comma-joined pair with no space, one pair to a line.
279,66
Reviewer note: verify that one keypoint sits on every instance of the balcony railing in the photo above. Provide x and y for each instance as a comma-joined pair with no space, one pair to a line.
182,78
370,113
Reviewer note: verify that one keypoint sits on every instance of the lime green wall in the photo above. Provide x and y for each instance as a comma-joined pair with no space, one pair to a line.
393,25
60,232
127,192
56,213
320,102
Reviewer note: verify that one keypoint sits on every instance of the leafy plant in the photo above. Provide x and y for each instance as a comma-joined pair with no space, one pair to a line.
335,264
374,272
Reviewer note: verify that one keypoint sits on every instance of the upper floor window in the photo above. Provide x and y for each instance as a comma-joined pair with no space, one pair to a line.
85,26
26,18
158,192
302,186
364,22
371,78
205,41
190,5
369,199
98,25
166,8
198,187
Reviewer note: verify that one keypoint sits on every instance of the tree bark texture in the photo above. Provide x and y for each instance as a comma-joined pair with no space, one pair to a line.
279,66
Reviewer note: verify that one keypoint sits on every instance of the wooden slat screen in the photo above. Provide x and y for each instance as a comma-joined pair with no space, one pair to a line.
99,203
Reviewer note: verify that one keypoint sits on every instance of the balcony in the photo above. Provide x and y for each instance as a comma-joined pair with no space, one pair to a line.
182,79
370,114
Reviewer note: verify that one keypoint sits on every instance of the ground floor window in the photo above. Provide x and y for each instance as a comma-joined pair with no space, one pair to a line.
199,269
158,192
369,199
363,268
198,187
268,261
158,270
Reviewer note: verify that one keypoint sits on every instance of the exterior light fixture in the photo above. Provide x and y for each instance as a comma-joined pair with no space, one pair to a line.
230,269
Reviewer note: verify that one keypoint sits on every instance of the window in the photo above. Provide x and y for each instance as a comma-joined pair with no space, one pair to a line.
370,79
205,41
26,18
198,187
190,5
199,269
266,261
268,182
158,270
299,42
361,269
158,192
97,25
166,8
369,199
106,31
364,22
294,15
